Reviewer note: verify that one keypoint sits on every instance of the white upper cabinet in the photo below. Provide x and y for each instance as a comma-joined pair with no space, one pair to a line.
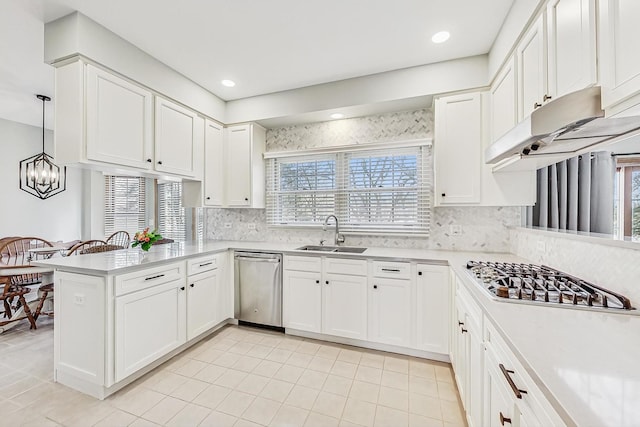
619,59
532,69
458,149
503,103
177,135
245,175
214,164
119,120
571,30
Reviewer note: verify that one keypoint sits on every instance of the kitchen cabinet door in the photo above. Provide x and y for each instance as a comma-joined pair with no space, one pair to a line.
503,101
238,179
458,148
214,164
532,69
119,120
148,324
390,311
499,408
619,60
344,306
462,356
203,294
571,29
302,300
178,131
433,308
475,365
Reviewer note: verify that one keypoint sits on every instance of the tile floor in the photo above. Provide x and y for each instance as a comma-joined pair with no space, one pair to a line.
237,377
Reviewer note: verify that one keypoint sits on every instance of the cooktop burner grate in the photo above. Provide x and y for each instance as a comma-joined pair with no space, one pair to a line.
538,283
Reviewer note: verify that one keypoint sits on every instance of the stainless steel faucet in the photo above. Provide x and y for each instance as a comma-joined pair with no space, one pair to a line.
338,238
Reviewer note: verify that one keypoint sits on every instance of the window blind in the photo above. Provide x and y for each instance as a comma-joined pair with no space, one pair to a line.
124,204
370,191
172,219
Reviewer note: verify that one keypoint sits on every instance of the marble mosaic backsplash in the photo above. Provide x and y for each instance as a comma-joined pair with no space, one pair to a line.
613,267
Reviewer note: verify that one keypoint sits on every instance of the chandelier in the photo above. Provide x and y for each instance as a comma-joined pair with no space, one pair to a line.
39,176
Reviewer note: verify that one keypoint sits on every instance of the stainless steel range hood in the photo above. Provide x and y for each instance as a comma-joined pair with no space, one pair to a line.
558,130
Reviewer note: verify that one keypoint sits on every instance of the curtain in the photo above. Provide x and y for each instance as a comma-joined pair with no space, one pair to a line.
576,194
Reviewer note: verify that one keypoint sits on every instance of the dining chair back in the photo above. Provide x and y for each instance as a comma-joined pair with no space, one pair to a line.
119,238
92,247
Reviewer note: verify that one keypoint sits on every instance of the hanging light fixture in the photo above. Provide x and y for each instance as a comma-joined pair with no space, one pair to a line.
39,176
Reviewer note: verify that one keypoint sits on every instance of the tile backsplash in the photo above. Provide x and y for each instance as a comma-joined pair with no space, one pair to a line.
483,228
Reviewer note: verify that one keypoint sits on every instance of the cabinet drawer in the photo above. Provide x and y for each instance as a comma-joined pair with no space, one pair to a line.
302,263
392,270
353,267
142,279
202,264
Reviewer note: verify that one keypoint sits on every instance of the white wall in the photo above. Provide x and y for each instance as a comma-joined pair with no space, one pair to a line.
22,214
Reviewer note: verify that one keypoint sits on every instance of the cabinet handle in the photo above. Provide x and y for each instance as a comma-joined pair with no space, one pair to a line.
391,270
515,389
504,419
460,323
159,162
536,105
206,263
546,97
419,273
154,277
208,198
375,286
192,285
148,160
182,288
463,330
444,195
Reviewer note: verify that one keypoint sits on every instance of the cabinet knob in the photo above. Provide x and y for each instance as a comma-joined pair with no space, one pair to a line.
148,160
327,282
208,198
246,199
192,285
419,273
536,105
504,419
546,97
182,288
375,286
317,281
444,195
159,162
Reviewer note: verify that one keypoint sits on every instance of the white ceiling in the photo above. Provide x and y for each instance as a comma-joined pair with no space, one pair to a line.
265,46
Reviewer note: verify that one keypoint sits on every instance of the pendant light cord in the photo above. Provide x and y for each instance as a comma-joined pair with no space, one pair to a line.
43,101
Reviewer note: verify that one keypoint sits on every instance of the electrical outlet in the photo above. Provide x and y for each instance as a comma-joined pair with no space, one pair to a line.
78,299
251,226
227,225
541,247
455,230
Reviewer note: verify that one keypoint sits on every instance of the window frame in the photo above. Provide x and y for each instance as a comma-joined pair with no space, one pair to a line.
625,169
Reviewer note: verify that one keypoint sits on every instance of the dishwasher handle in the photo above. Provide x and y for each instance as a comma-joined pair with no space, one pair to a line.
252,259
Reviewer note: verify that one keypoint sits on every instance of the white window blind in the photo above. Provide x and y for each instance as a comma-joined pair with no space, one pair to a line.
370,191
124,204
172,219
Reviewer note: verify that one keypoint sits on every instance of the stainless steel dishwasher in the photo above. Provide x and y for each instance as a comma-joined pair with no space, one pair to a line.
258,288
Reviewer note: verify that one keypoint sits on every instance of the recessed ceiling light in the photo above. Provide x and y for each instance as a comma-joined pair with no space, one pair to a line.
228,83
440,37
337,116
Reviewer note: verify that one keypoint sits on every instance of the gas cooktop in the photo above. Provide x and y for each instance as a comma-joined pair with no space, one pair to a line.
541,284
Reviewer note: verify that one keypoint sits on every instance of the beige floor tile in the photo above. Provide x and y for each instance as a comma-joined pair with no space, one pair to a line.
345,423
302,397
260,351
396,364
372,360
395,380
227,360
83,416
209,355
235,403
23,384
451,412
313,379
394,398
117,418
329,404
253,337
29,396
245,423
279,355
252,384
344,369
138,401
337,385
165,382
211,373
350,356
289,344
288,373
300,360
166,409
267,368
141,422
359,412
189,390
190,415
444,374
307,347
289,416
241,347
425,405
388,417
246,363
321,364
224,344
328,352
416,420
276,390
319,420
231,378
368,374
261,411
191,368
422,369
447,391
271,341
212,396
424,386
218,419
367,392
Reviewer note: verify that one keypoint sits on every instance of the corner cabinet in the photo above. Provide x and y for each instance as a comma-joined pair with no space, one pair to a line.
532,69
245,172
503,108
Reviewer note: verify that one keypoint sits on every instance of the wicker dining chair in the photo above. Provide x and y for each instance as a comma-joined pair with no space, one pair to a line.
92,247
119,238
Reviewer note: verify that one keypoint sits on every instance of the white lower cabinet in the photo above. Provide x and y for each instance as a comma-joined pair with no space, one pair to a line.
344,306
202,302
432,308
149,324
302,300
390,311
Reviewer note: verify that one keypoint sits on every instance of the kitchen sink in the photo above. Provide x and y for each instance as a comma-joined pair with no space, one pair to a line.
334,249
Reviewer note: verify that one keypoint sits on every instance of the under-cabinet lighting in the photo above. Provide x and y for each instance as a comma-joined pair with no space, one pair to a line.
337,116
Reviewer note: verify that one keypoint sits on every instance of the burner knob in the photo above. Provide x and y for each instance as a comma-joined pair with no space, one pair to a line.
502,292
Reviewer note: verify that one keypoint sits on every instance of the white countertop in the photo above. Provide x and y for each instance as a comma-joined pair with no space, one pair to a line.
587,363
